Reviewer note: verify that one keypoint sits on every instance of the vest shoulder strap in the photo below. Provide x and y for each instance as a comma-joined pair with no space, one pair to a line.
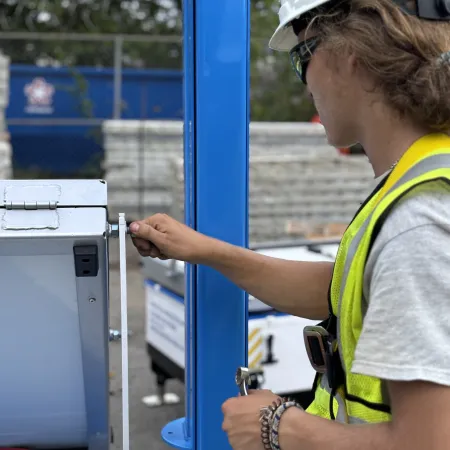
384,215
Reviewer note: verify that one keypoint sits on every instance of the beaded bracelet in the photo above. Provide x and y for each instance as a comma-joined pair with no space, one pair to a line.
270,417
276,422
266,414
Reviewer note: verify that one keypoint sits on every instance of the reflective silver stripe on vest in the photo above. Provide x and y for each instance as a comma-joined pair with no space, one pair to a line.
341,415
356,421
428,164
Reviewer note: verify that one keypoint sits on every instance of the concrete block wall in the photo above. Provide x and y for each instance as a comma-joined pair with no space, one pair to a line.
5,159
297,181
136,164
295,195
5,146
138,154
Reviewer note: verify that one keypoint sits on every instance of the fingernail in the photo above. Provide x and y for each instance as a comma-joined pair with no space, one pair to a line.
134,227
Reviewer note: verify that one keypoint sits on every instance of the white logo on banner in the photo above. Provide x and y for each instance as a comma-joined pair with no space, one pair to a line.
39,94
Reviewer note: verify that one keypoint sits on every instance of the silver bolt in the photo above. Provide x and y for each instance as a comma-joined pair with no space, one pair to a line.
113,230
92,300
114,335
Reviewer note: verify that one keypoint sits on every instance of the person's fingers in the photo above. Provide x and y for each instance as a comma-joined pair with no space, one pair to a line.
157,221
142,244
143,231
144,247
144,253
153,253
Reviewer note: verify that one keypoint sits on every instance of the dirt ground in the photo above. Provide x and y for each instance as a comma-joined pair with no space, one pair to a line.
145,423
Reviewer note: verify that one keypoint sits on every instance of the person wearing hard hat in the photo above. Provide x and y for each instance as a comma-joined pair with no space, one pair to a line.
379,74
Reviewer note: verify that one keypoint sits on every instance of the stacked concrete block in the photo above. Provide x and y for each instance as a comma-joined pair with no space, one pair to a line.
5,146
295,195
278,138
291,195
298,183
5,159
138,154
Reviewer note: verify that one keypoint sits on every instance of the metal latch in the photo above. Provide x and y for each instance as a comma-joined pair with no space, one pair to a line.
30,205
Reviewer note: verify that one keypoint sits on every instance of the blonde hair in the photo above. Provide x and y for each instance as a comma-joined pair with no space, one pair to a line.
402,53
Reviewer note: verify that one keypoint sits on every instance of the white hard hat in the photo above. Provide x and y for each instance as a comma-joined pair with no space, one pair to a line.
284,38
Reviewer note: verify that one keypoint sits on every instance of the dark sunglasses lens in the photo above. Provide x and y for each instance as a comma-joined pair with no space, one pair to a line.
297,64
300,56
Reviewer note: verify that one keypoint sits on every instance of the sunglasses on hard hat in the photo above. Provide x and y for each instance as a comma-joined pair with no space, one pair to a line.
301,55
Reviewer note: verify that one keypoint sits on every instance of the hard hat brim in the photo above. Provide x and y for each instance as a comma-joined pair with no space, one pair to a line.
284,39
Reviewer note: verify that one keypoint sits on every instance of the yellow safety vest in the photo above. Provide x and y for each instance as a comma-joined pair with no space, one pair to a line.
360,398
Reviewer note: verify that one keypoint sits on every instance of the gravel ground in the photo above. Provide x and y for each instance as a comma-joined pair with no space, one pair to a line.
145,423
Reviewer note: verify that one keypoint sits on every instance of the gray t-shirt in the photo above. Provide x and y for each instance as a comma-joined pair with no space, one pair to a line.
406,329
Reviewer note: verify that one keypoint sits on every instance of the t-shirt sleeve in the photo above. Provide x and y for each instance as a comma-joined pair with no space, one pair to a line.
406,328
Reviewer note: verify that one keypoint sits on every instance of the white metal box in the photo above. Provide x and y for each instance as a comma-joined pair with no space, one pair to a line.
54,314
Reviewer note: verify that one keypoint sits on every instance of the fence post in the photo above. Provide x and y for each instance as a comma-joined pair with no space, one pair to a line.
118,58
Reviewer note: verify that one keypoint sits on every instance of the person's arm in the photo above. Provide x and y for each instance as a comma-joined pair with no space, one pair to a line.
299,288
421,414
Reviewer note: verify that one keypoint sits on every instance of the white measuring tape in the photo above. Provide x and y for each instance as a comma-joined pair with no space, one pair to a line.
124,330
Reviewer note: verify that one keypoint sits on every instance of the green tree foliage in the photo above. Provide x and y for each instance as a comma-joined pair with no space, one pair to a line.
129,17
276,94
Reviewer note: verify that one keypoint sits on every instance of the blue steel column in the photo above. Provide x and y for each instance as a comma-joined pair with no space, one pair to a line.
222,72
189,80
216,87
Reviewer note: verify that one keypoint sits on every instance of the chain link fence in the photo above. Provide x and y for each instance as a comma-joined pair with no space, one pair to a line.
57,108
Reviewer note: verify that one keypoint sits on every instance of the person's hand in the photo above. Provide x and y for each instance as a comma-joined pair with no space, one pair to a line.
163,237
241,419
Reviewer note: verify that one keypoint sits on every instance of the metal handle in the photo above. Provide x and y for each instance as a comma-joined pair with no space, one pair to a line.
122,231
242,377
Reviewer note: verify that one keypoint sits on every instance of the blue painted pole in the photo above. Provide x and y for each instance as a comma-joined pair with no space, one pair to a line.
216,150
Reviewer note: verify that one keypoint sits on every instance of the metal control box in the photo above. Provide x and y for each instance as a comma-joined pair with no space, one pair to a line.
54,314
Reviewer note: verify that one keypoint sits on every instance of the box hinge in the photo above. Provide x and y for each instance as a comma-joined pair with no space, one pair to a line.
30,205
